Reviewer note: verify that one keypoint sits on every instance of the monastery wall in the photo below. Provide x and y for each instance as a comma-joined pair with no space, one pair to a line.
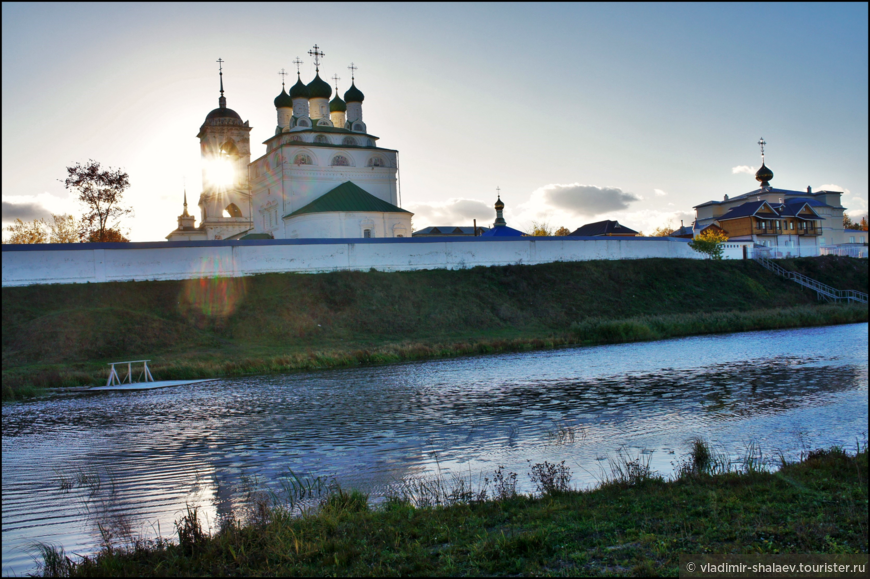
102,262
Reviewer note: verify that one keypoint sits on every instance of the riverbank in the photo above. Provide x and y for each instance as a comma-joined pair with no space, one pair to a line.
635,523
56,336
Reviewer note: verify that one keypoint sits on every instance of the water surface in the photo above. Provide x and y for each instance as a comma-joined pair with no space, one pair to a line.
156,451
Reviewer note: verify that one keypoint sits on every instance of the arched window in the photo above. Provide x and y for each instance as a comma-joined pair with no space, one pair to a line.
357,127
321,139
302,159
376,162
229,148
340,161
349,141
232,210
295,138
370,142
367,233
304,123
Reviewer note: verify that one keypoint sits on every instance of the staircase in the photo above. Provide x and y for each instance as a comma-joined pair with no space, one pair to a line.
824,292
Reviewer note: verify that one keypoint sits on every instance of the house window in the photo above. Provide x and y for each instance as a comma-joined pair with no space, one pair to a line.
852,239
340,161
349,141
791,224
367,233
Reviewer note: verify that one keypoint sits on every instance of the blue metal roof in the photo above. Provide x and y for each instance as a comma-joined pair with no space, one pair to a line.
502,231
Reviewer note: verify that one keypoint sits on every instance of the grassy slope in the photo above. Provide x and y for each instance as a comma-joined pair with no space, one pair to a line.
817,506
52,332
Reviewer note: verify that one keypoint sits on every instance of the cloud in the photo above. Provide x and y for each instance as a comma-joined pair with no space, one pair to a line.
451,212
580,199
832,187
23,211
743,169
659,192
30,207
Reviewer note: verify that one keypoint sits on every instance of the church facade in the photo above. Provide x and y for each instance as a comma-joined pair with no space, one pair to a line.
323,174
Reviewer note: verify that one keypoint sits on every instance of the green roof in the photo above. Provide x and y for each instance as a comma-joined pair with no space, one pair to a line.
347,197
257,236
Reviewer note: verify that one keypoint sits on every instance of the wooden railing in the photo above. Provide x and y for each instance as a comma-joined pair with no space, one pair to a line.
824,292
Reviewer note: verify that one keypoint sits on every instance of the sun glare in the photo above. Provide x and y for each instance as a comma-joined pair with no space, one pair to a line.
220,172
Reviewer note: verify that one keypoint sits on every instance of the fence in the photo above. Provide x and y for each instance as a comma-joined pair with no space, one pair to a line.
823,292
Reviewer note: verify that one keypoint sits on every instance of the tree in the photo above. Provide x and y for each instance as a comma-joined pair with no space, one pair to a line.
101,192
541,229
109,235
21,232
864,223
562,232
848,223
663,231
64,228
709,242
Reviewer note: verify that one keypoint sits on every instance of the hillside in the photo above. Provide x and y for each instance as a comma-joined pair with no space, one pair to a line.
65,333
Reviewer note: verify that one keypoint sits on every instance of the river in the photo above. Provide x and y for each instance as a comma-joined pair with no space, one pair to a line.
131,461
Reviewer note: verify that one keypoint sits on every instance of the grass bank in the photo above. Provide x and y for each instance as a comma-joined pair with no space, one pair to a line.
634,523
63,335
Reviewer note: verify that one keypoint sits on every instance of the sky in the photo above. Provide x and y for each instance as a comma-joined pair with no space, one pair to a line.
576,112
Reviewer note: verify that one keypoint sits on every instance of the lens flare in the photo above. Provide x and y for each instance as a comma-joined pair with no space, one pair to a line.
214,296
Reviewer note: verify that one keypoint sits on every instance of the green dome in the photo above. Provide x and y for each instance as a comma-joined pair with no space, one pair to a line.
318,88
764,175
353,94
337,105
283,100
299,90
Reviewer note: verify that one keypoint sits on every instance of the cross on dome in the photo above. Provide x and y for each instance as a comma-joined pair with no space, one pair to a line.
298,63
220,62
283,74
352,70
317,54
762,142
336,78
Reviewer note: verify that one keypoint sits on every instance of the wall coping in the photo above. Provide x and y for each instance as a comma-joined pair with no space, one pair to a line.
319,241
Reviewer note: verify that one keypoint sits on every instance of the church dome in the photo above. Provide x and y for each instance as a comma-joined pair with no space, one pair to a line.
353,94
318,88
337,105
764,175
499,204
283,100
224,113
299,90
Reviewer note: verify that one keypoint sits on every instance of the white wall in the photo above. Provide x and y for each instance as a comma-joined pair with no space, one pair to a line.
101,262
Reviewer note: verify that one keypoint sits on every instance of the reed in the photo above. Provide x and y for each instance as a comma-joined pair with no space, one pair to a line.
636,521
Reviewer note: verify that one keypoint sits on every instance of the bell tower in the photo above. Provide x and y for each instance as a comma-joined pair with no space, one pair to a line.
225,148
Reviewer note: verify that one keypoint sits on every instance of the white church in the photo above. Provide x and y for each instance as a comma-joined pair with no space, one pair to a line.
322,176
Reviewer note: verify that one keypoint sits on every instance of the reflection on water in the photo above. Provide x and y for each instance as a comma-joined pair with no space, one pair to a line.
144,455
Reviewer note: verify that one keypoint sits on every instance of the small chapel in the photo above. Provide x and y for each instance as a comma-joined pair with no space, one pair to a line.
323,174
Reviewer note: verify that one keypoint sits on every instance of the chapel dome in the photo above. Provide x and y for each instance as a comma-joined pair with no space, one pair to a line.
283,100
223,114
319,88
764,175
353,94
499,204
299,90
337,105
